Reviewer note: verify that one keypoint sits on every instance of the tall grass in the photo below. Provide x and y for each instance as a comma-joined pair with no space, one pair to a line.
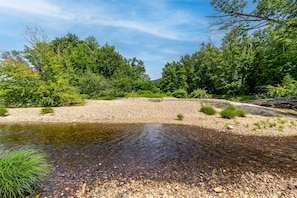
21,171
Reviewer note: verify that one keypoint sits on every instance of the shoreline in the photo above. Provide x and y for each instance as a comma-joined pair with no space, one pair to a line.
258,121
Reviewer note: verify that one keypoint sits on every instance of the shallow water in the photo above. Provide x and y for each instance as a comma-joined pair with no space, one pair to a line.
84,153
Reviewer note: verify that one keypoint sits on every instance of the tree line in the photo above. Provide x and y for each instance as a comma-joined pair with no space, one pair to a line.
67,70
257,54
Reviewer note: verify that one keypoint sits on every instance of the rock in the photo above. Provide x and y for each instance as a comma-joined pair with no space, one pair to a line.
218,190
230,127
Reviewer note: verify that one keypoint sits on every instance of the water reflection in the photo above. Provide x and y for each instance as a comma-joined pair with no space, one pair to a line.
88,152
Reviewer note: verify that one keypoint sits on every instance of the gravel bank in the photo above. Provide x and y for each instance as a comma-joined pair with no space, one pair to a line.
143,110
164,111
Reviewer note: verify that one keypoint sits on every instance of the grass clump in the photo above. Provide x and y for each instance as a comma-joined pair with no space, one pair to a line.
46,110
231,112
3,111
180,116
207,109
240,113
21,171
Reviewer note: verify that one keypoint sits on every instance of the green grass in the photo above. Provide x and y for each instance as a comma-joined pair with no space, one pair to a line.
46,110
240,113
3,111
180,116
207,109
230,112
21,171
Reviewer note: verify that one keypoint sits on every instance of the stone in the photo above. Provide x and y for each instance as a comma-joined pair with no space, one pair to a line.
218,190
230,127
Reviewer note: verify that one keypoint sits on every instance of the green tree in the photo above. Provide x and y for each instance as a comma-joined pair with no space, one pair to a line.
173,77
18,82
255,14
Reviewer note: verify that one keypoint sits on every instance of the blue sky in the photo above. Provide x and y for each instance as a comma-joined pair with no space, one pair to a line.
156,32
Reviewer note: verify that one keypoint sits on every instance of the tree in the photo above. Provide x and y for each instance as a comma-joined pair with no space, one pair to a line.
255,14
173,77
18,82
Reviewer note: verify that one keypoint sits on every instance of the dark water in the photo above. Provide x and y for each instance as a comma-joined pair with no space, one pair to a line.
84,153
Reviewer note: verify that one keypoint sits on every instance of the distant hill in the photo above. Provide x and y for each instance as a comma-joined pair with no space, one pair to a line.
157,82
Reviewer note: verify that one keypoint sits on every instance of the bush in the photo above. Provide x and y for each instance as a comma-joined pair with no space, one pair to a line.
3,111
180,93
207,109
21,171
180,116
231,112
199,93
46,110
240,113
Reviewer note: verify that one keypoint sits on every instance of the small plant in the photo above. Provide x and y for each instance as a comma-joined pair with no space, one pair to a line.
46,110
272,124
21,171
240,113
281,128
3,111
180,116
281,121
207,109
229,112
180,93
199,93
258,125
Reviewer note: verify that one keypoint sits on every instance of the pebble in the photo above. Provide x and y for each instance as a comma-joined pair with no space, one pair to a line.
218,190
230,127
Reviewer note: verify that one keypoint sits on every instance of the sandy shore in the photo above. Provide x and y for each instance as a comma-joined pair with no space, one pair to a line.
144,110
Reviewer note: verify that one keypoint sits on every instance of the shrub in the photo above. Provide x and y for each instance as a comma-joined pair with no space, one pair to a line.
46,110
199,93
3,111
207,109
21,171
180,116
180,93
240,113
229,112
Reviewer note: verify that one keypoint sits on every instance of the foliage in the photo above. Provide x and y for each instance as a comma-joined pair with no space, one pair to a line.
207,109
228,112
287,89
263,13
149,94
199,93
3,111
173,77
180,93
231,112
65,70
180,116
21,171
46,110
240,113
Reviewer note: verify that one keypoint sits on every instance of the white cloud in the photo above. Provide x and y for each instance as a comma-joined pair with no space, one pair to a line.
33,7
